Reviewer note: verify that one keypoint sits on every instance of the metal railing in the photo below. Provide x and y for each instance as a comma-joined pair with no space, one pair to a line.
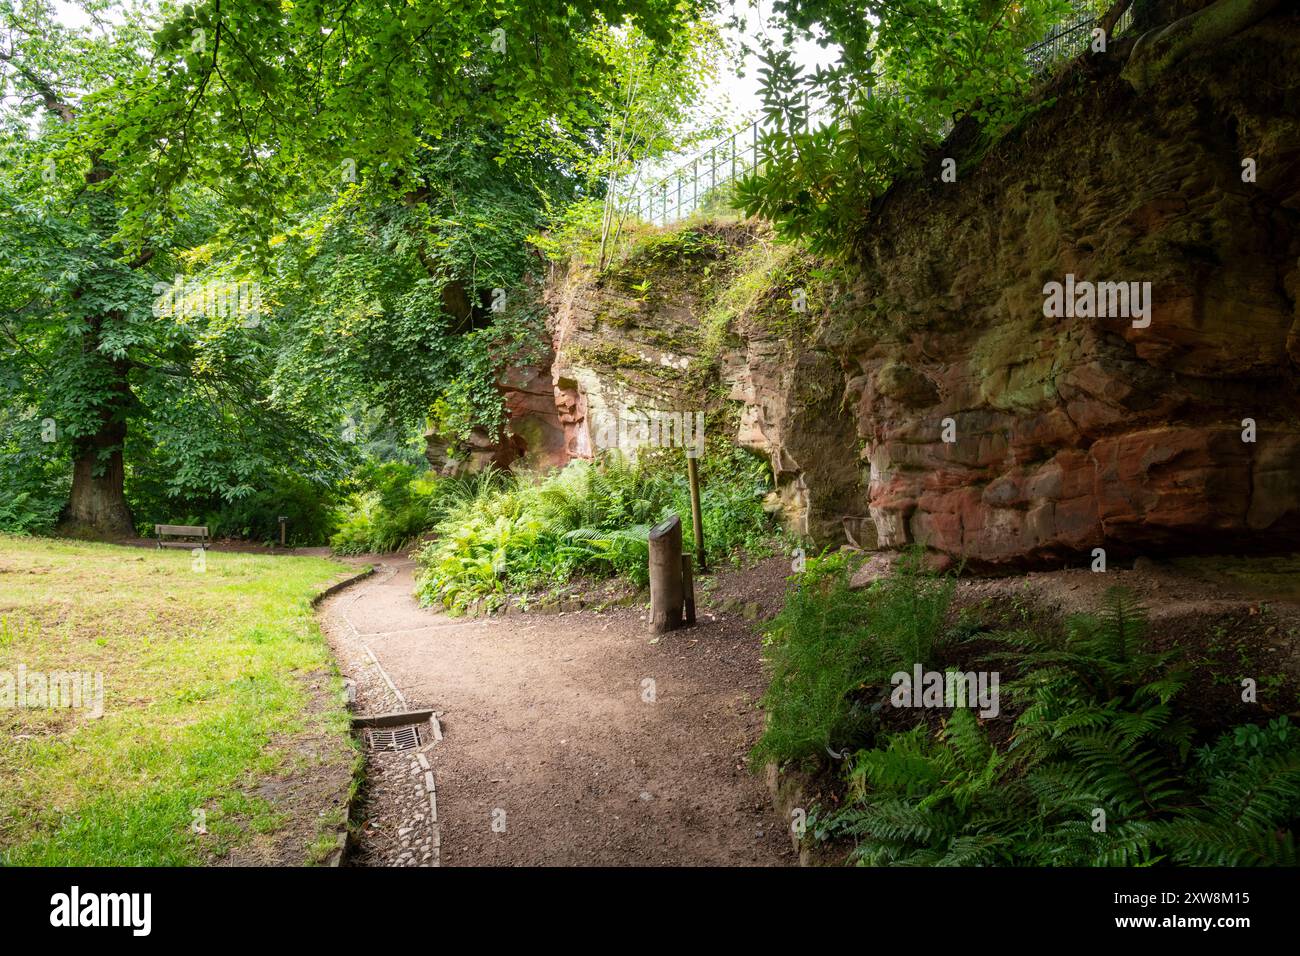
690,186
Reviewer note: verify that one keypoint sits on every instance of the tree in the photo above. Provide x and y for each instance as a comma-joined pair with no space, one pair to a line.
651,110
837,136
269,101
251,108
71,292
403,300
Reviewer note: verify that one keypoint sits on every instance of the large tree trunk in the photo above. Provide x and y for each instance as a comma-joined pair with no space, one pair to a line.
97,506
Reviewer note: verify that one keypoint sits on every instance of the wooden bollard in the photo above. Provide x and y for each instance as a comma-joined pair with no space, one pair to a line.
666,593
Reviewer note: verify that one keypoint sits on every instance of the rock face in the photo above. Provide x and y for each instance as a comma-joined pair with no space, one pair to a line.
656,338
629,348
1000,434
938,401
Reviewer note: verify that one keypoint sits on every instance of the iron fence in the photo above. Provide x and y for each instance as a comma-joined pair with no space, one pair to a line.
690,186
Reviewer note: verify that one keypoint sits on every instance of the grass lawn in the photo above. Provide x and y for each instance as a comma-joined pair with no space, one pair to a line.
222,709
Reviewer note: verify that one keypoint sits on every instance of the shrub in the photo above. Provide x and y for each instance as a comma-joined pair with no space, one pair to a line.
308,510
393,510
829,642
1099,770
496,532
35,480
31,511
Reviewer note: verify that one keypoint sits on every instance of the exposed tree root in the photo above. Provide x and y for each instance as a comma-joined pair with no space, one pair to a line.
1159,49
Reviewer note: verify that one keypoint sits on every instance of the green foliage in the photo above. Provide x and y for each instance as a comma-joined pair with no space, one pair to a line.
733,484
763,269
837,137
393,510
375,169
161,489
832,647
252,516
389,290
653,106
574,231
1099,770
497,533
309,514
923,801
33,482
182,398
1249,785
280,97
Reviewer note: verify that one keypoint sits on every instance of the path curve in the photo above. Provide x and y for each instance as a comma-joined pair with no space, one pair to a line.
569,739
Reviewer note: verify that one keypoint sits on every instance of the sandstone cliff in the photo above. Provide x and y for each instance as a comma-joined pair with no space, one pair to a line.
1066,433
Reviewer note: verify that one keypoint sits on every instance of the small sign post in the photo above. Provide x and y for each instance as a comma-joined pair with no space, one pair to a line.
693,476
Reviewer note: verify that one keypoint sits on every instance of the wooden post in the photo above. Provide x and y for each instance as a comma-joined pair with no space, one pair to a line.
666,575
688,588
283,520
693,475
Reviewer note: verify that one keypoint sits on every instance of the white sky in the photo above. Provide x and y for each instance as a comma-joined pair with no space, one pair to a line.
741,92
70,14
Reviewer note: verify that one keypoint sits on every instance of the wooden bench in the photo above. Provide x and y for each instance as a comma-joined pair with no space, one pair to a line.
194,532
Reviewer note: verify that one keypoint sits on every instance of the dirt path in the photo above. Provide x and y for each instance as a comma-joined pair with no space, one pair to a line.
569,739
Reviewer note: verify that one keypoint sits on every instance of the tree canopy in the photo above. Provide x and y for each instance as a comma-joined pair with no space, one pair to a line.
836,136
234,234
232,230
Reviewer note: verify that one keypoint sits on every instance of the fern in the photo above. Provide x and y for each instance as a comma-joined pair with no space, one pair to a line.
1100,770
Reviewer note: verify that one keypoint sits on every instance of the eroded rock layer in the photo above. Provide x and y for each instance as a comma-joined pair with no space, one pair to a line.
934,400
1132,433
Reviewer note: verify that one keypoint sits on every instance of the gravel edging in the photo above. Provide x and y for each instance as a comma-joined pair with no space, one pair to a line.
343,836
397,788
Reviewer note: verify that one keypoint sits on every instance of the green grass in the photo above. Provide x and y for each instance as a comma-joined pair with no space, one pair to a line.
206,681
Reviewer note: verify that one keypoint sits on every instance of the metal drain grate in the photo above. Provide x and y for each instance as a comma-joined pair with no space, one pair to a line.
393,738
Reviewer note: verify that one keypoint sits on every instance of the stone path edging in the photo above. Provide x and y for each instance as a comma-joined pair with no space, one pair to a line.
337,855
419,766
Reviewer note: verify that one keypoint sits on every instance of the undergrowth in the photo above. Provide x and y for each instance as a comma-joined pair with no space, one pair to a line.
497,533
395,507
1101,764
830,641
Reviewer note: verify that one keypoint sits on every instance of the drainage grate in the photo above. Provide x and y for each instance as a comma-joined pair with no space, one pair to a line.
393,738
